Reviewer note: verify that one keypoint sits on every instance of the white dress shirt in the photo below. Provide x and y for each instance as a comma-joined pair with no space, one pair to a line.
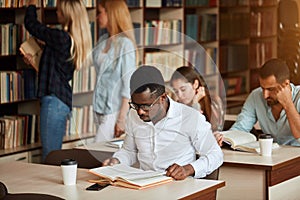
174,139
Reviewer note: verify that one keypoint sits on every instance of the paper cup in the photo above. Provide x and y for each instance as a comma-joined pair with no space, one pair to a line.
69,171
265,144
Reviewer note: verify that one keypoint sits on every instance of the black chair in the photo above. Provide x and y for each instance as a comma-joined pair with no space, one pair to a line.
213,176
85,158
5,195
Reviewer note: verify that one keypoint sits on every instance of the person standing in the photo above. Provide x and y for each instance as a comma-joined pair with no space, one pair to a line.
64,51
115,60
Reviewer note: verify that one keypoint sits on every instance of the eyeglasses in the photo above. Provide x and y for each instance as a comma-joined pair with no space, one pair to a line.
144,107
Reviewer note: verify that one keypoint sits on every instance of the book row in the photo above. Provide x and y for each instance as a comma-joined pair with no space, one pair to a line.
53,3
14,3
231,3
160,32
204,61
17,85
18,130
84,80
201,27
201,3
235,85
262,24
163,3
166,62
11,36
81,122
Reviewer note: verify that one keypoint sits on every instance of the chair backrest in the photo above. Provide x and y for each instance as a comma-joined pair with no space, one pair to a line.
85,158
213,176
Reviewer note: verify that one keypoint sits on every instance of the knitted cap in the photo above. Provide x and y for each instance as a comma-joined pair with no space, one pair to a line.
145,75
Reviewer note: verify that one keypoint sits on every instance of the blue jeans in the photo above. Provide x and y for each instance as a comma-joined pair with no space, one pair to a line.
53,118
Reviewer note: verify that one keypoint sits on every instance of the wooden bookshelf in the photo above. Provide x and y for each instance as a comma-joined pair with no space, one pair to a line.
18,101
248,38
232,39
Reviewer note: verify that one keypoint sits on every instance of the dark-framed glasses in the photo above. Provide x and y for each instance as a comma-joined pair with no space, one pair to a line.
144,107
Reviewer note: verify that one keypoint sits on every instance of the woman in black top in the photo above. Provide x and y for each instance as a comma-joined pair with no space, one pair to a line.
64,51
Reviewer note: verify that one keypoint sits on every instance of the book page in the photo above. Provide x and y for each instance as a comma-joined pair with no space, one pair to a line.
253,147
144,183
249,147
236,137
115,143
123,171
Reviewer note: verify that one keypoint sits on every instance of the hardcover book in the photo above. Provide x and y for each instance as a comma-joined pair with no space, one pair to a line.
129,177
243,141
30,46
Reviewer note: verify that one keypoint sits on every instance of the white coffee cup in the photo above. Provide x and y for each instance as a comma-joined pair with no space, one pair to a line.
69,171
265,144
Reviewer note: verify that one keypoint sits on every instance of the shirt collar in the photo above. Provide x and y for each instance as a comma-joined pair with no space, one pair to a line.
173,109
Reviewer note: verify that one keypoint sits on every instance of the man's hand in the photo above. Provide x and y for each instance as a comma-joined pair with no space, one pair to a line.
180,172
110,162
219,138
284,95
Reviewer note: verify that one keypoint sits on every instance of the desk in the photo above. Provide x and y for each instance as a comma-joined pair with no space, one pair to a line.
22,177
251,176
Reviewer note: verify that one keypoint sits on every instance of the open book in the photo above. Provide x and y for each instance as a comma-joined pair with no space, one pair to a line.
129,177
30,46
242,141
116,143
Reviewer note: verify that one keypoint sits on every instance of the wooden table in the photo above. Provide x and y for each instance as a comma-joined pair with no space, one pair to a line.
22,177
251,176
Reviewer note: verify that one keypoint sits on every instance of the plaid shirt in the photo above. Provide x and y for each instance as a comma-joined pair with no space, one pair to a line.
55,69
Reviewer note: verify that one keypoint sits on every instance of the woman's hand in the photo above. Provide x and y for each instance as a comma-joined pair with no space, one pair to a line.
200,93
119,128
28,59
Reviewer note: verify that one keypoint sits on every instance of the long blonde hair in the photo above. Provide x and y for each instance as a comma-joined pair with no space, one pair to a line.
77,24
119,18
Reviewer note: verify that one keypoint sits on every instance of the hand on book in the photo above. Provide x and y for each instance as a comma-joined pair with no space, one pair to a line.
219,138
110,162
28,59
180,172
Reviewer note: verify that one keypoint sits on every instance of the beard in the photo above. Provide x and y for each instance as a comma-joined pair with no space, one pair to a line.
271,102
145,118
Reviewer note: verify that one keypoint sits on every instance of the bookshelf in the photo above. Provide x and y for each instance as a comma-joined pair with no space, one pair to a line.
248,38
233,38
19,107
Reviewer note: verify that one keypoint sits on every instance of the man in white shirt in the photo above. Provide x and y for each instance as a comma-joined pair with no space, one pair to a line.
164,135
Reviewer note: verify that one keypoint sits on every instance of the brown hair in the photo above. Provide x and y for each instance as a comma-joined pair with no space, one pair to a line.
118,13
275,67
190,74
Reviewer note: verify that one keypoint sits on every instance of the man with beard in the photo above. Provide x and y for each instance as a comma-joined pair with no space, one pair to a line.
163,135
275,105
